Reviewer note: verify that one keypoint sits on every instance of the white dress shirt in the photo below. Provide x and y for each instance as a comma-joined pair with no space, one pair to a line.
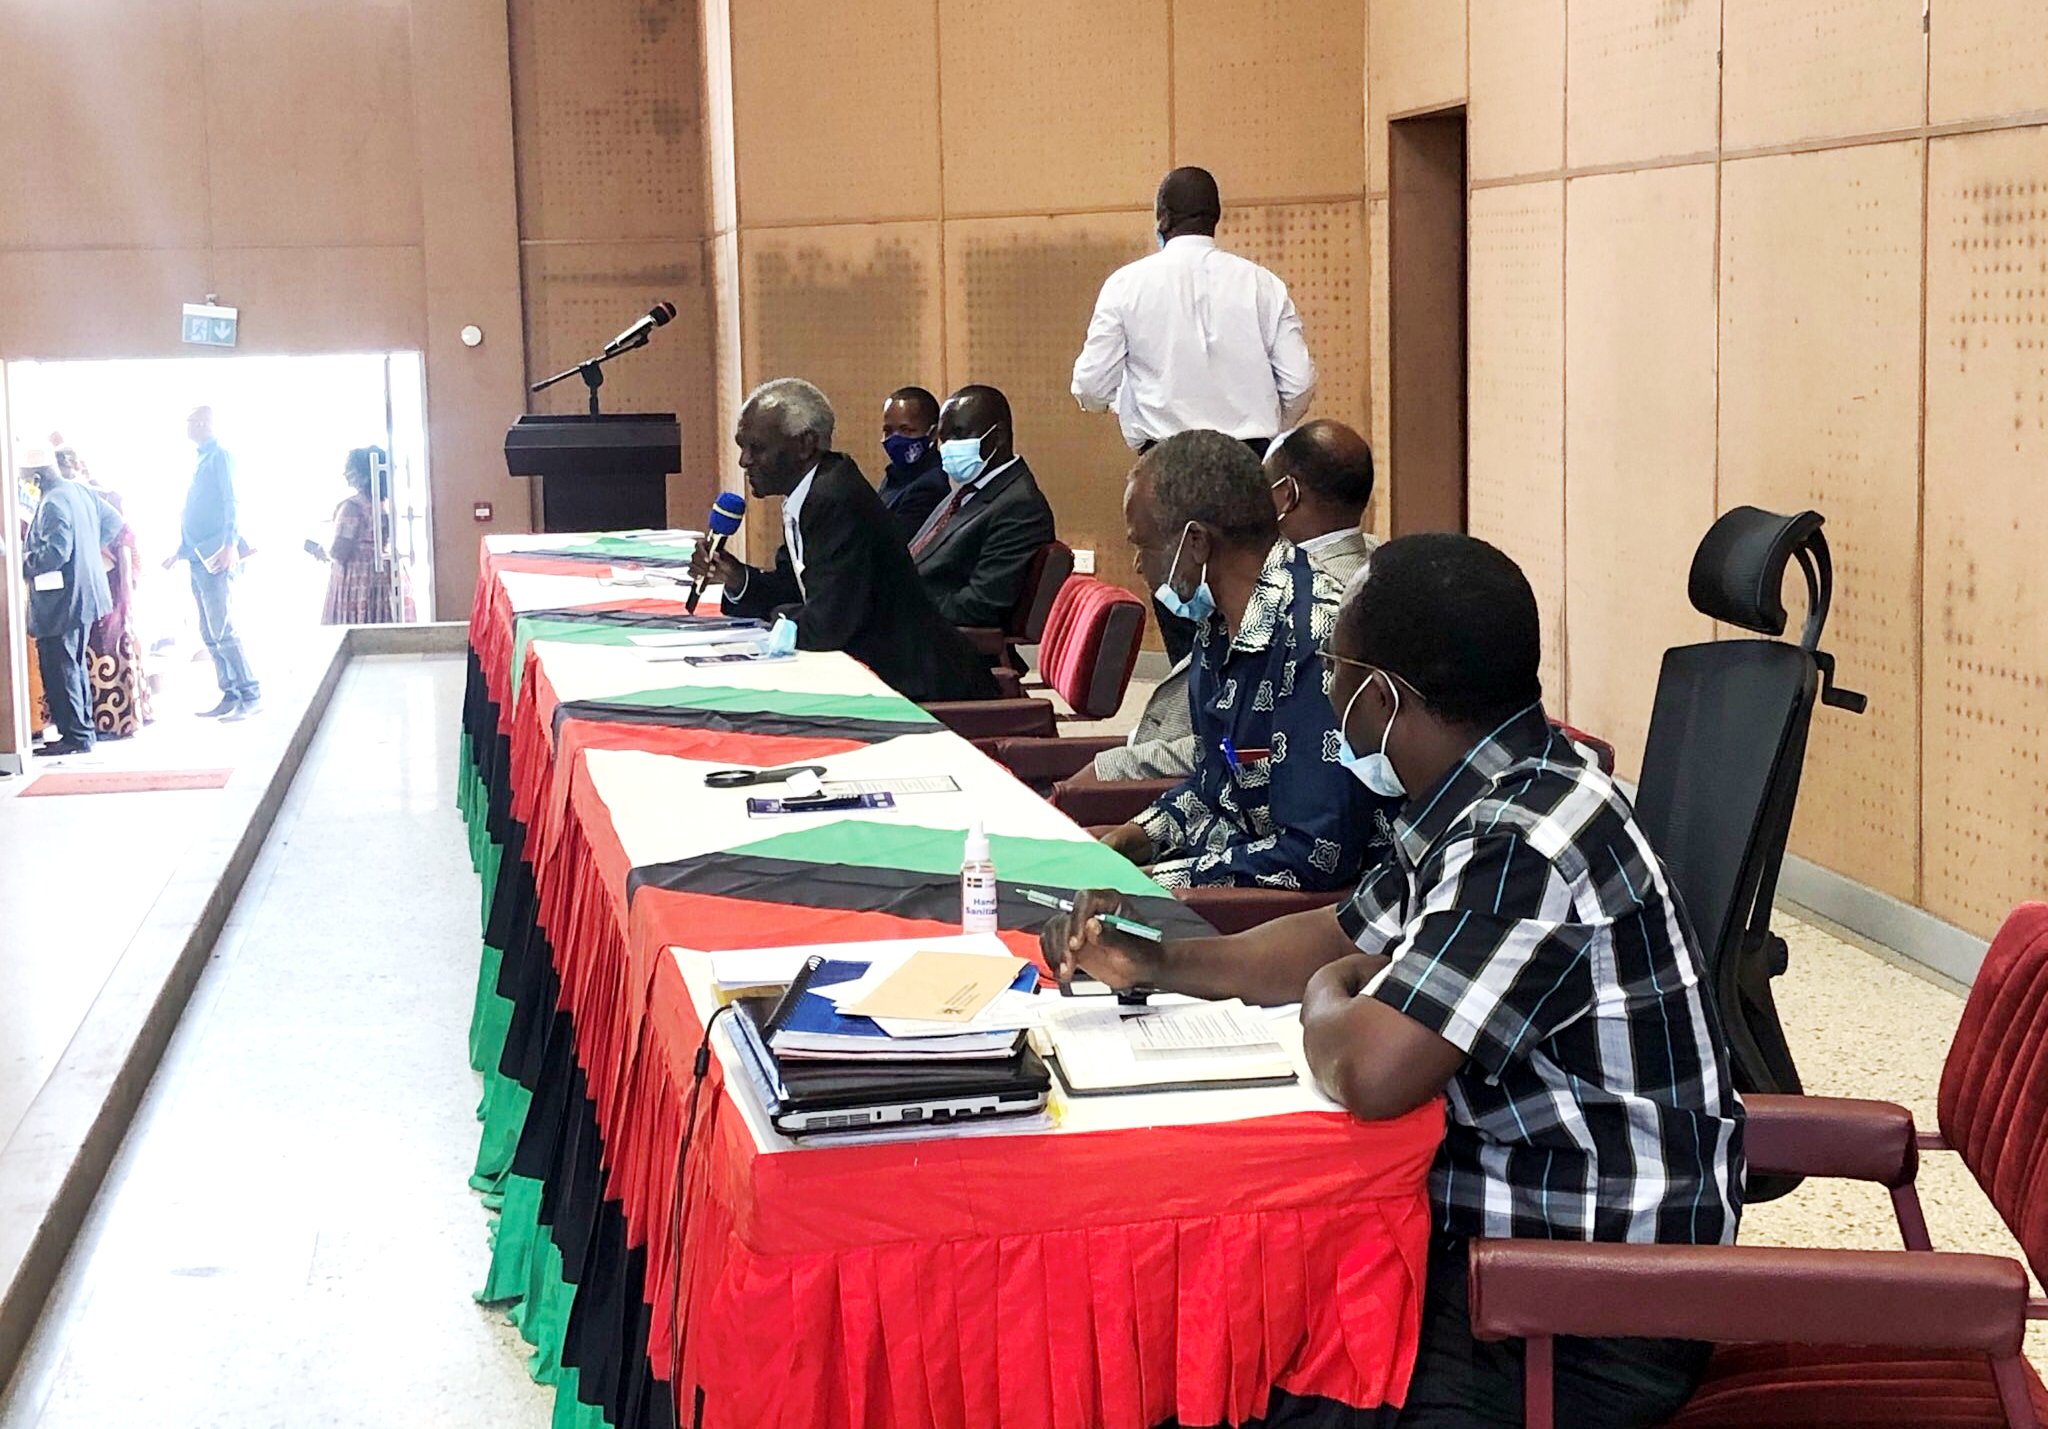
1190,337
792,533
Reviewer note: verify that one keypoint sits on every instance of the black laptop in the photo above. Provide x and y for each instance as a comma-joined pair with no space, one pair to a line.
805,1096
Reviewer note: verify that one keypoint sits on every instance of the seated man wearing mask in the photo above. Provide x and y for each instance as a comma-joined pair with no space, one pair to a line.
975,551
1266,803
840,574
1521,954
914,483
1320,475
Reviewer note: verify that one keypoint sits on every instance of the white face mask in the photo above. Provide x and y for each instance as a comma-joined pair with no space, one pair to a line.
1374,770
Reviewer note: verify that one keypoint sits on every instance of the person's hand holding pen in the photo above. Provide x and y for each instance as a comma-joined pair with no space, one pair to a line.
1080,942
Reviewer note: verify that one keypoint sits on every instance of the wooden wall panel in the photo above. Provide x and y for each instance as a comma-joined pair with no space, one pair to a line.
1018,295
1515,348
1639,434
579,294
102,125
1643,79
1811,71
608,105
1379,347
105,302
1233,58
728,388
1318,250
1985,700
833,114
310,123
306,300
720,162
1820,316
1055,105
1517,105
1987,58
1415,59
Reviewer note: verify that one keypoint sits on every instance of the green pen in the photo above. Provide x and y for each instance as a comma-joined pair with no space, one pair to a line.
1121,924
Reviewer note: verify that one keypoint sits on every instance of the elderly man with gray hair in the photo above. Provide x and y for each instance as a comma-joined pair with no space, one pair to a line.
842,572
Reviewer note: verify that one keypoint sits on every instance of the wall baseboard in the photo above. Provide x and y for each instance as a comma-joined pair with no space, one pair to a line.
1913,933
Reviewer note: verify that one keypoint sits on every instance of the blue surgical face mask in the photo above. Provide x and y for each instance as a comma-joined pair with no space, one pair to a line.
906,451
962,458
1159,238
1196,607
1373,770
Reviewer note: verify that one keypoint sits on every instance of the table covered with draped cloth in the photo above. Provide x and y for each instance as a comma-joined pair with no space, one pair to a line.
1220,1257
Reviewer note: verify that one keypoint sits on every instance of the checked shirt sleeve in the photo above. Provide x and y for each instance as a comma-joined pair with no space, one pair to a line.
1491,960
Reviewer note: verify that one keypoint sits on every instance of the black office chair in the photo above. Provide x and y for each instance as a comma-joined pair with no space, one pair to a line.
1721,768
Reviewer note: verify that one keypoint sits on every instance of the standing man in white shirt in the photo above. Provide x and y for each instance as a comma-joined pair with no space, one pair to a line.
1194,337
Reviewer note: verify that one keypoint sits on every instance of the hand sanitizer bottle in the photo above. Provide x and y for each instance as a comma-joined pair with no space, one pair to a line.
977,884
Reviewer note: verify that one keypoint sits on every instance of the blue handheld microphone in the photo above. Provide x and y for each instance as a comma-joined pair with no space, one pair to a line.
719,527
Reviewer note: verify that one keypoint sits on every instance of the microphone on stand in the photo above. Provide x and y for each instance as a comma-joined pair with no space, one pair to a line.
724,520
641,330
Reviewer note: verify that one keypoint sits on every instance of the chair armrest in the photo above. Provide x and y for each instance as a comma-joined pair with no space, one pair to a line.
1093,802
1527,1289
1047,761
986,639
1830,1136
1008,685
1232,910
990,719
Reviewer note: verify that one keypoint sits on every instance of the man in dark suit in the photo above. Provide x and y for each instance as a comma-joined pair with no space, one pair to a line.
914,483
67,593
841,573
975,551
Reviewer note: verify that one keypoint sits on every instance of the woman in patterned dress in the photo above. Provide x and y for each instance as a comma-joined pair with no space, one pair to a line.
358,592
120,687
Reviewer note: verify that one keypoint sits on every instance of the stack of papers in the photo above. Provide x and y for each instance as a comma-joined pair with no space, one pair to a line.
1179,1047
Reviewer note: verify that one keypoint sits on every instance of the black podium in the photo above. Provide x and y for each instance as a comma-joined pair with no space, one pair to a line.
597,473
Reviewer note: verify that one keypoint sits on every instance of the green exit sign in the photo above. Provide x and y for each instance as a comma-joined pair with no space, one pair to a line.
211,326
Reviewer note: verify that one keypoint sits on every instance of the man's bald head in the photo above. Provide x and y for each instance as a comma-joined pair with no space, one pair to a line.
1332,463
1187,202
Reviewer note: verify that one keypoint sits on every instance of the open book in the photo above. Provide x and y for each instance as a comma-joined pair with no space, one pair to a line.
1181,1047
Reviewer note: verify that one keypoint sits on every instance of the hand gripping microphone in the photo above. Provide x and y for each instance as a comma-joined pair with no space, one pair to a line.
724,520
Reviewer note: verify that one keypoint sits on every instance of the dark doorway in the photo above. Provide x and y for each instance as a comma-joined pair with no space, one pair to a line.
1426,322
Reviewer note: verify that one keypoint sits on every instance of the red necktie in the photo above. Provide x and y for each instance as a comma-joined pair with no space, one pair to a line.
938,523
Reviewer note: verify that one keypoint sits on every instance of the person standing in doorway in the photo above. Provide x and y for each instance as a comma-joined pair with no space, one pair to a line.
1193,338
120,686
367,584
67,593
210,543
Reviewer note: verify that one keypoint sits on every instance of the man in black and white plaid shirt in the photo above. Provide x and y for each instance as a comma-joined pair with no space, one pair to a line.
1521,953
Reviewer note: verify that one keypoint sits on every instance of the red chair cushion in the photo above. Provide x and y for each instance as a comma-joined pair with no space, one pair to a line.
1091,645
1993,1105
1806,1386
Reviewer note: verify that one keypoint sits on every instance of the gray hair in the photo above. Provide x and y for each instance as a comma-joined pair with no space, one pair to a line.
797,407
1208,477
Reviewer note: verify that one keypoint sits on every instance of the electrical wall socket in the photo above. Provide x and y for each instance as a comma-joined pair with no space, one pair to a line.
1084,563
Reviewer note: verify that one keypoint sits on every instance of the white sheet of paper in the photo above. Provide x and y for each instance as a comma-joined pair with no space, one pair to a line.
49,580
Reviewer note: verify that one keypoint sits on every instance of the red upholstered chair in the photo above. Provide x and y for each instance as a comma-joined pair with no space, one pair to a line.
1090,646
1838,1337
1043,580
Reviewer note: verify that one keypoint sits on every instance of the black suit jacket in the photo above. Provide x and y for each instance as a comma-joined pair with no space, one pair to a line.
975,569
912,493
861,594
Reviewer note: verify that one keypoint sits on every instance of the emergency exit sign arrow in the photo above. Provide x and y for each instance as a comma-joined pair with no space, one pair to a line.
209,326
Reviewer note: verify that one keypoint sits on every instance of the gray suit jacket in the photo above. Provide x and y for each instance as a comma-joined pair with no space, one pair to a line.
1162,744
63,554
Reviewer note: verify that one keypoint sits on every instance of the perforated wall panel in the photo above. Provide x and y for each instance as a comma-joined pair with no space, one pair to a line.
1986,58
1233,59
835,115
1415,59
1318,250
1052,106
607,103
1820,312
1517,105
1814,70
1985,701
1639,435
1515,352
1019,292
1643,79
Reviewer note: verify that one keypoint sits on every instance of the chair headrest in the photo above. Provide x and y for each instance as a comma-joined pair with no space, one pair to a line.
1739,568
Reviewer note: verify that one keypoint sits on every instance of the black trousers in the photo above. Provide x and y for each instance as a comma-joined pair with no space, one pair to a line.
63,661
1178,634
1463,1383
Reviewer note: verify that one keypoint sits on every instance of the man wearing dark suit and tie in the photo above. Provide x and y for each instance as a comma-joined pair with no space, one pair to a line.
841,573
67,593
975,551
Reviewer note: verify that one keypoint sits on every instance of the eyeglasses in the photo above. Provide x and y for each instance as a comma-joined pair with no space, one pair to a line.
1331,660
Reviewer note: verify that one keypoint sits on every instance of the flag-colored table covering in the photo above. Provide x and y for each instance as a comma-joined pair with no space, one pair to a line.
1193,1258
